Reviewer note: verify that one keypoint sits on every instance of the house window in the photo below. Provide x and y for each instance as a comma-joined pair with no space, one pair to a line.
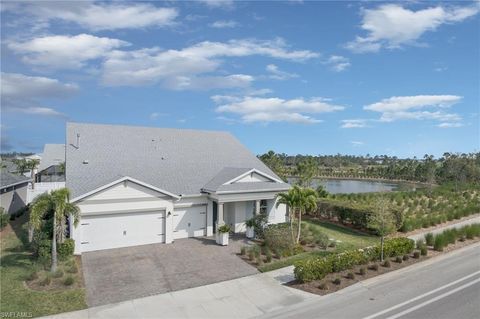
263,206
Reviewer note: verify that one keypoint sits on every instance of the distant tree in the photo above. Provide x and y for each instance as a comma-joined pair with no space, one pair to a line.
382,221
273,161
321,191
305,171
22,165
32,166
61,167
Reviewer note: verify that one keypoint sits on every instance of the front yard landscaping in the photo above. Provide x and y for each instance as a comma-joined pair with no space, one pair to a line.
337,271
318,239
26,285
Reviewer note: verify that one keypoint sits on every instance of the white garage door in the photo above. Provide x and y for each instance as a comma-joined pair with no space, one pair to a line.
189,222
122,230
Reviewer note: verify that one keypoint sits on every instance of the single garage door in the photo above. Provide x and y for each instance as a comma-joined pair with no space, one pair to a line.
189,221
105,231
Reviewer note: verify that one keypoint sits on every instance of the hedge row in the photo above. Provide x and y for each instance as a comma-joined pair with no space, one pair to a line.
317,268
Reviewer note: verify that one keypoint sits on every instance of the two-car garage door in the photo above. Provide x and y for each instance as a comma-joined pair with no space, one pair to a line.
105,231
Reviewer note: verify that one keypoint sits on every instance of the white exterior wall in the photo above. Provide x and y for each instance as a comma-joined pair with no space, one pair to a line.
124,196
194,204
276,214
41,188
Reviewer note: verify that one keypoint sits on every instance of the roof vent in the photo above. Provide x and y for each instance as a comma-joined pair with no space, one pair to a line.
85,162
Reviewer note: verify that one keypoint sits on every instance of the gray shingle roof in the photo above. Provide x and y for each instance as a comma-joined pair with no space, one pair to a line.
7,179
53,154
226,174
178,161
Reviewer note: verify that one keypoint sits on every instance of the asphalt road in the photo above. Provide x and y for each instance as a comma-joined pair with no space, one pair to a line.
445,287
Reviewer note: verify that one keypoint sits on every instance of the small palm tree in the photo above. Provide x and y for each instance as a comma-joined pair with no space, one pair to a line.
307,202
58,202
290,199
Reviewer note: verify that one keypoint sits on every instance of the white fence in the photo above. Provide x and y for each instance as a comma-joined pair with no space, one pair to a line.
41,188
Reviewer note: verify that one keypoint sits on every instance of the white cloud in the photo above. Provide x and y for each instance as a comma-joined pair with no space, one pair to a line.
449,125
338,63
413,108
60,51
354,123
222,24
277,74
22,93
183,69
261,109
223,4
208,82
97,16
357,143
391,25
19,86
156,115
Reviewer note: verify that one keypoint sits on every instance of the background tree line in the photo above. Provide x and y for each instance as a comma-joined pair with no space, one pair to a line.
456,168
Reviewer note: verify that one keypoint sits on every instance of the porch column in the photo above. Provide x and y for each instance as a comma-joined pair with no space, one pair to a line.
257,207
220,220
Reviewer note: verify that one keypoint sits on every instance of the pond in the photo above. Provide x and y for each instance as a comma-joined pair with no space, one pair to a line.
339,186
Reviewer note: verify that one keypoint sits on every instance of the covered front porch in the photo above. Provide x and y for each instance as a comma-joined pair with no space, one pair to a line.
236,213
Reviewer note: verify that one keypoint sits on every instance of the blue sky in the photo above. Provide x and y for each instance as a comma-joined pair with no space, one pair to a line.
396,78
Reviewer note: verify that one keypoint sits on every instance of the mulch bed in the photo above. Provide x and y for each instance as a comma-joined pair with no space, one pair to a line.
327,285
57,284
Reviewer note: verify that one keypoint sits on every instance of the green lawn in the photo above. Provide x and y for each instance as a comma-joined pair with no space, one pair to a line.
16,264
349,239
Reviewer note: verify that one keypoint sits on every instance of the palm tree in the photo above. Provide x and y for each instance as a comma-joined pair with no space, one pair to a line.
299,200
290,199
58,202
21,165
32,166
307,201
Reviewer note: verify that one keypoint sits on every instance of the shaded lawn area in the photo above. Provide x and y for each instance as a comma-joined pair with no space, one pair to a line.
16,263
346,239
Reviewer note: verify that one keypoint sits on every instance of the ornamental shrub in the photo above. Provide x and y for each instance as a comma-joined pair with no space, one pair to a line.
429,239
423,251
337,281
3,218
278,237
65,249
351,275
69,281
439,242
416,255
243,251
362,271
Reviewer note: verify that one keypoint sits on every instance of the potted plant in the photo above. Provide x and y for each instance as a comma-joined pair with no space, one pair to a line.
250,223
223,232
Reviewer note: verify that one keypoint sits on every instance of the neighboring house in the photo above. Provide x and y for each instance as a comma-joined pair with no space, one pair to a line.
13,191
139,185
50,175
50,169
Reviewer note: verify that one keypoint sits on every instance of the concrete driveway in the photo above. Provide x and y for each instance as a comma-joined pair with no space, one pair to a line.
126,273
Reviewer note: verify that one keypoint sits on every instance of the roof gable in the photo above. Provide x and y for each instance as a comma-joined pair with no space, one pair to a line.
119,181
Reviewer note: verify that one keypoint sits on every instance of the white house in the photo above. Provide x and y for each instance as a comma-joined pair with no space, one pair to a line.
49,175
140,185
